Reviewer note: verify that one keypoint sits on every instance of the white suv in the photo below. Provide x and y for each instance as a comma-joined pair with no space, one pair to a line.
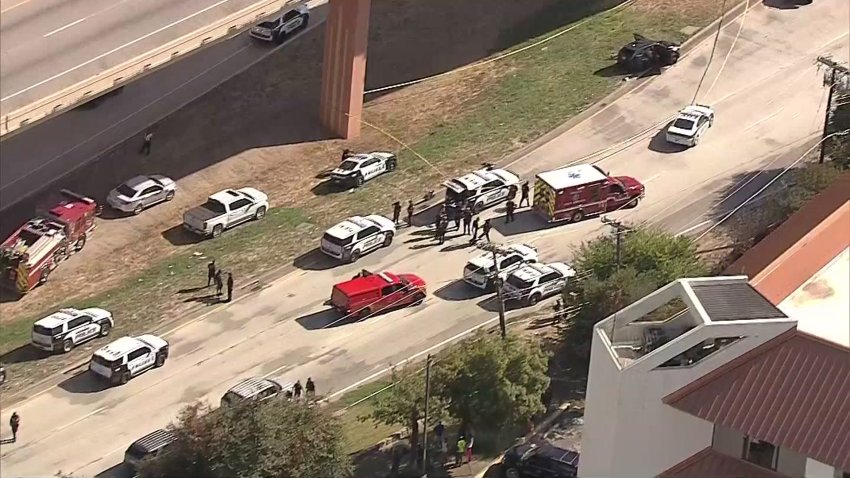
480,271
481,189
357,169
258,389
128,357
67,328
532,282
350,239
690,124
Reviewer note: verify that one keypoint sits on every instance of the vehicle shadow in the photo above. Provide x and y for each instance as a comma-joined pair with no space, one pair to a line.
524,222
491,304
611,71
178,236
315,260
785,4
112,213
115,471
22,354
7,295
324,319
84,382
327,187
659,143
458,291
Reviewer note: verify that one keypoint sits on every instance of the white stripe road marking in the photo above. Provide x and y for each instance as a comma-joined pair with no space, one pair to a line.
14,6
53,32
692,228
120,47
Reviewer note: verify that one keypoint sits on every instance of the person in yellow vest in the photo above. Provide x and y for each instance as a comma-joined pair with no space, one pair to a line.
460,451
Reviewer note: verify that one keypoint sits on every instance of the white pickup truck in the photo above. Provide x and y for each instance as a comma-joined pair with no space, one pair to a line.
226,209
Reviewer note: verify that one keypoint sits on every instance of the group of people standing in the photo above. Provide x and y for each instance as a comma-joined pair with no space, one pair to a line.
463,445
214,277
308,389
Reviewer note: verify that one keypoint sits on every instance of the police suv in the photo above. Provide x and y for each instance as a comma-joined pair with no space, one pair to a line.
148,447
282,26
67,328
350,239
257,389
690,124
359,168
480,189
534,281
480,271
128,357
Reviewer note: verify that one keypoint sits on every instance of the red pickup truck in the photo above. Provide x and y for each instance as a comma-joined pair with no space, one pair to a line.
368,293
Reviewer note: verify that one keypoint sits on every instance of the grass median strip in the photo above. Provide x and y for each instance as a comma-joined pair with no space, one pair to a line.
509,104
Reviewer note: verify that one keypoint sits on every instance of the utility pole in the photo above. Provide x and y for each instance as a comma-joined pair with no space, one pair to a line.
833,67
497,281
619,231
428,363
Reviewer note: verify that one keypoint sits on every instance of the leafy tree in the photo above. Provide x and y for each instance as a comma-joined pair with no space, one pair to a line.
488,382
272,439
650,259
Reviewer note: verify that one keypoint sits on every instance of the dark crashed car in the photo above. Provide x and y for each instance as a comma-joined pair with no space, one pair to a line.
644,54
540,460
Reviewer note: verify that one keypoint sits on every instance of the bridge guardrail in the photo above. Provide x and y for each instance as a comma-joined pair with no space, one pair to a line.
125,72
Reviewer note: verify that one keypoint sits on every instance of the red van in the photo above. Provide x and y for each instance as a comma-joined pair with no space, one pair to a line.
368,293
575,192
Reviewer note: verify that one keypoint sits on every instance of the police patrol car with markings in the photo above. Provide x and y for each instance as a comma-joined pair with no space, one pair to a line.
279,28
128,357
67,328
480,271
356,236
256,389
480,189
148,447
535,281
359,168
689,125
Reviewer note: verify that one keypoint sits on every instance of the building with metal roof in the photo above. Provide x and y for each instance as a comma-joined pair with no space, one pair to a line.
733,376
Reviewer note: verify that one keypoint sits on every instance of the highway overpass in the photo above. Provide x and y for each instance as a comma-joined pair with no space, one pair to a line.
57,54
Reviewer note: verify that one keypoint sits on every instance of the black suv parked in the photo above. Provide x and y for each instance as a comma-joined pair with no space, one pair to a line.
544,460
644,54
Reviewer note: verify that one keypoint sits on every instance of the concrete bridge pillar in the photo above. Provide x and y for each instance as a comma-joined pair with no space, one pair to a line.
344,66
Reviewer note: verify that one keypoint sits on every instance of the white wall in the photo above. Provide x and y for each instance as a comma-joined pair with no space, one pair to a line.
816,469
791,463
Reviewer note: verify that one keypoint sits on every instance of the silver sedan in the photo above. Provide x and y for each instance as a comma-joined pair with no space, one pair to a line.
141,192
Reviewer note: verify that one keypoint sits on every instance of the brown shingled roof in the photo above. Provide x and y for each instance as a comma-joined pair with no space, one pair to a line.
793,391
713,464
810,239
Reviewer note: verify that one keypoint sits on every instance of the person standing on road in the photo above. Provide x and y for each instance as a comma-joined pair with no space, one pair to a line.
439,430
310,388
14,423
410,213
211,273
296,389
229,286
396,211
524,198
218,283
469,448
346,153
442,226
467,220
146,145
485,229
474,229
510,207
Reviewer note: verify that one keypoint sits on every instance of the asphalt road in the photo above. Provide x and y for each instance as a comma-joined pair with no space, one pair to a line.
47,151
769,101
49,45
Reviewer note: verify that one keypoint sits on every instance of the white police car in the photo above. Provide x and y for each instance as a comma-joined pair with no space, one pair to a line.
257,389
359,168
480,271
691,123
279,28
356,236
67,328
534,281
128,357
480,189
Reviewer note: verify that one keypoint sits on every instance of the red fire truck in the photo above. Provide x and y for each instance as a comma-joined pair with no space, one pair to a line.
572,193
29,255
